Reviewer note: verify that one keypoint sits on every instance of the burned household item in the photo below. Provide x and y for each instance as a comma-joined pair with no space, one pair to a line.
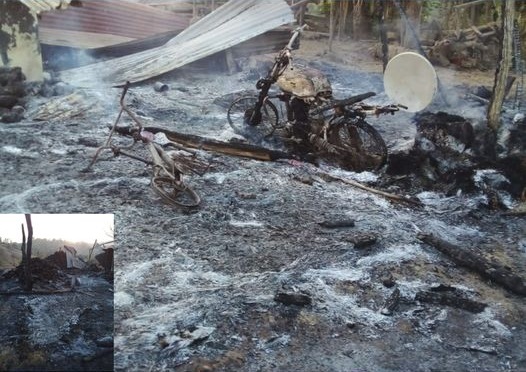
167,177
316,124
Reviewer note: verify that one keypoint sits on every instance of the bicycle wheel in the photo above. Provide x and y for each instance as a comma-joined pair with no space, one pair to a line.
175,192
360,146
240,112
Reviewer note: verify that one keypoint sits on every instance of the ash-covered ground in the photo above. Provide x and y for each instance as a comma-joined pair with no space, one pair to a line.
195,290
69,331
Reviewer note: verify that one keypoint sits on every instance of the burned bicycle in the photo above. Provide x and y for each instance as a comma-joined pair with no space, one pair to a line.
312,123
167,170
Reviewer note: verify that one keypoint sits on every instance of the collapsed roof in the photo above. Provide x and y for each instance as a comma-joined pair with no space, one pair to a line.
229,25
105,23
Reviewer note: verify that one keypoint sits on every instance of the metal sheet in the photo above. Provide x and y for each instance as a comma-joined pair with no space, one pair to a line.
229,25
126,21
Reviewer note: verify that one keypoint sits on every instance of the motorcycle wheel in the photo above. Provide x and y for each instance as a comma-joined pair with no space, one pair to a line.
240,112
360,147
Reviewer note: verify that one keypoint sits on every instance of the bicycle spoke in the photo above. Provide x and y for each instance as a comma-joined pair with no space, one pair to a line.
175,192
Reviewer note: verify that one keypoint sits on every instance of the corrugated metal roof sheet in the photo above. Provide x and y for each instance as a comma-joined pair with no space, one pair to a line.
38,6
231,24
76,26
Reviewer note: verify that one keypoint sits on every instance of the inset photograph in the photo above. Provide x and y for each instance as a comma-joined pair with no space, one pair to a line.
56,292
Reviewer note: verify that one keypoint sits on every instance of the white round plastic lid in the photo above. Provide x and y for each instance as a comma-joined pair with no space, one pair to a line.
410,80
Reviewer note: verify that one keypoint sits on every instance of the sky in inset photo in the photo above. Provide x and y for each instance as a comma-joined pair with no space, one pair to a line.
71,227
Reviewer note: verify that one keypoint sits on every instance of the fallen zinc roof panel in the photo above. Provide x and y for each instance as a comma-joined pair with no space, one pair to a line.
101,23
229,25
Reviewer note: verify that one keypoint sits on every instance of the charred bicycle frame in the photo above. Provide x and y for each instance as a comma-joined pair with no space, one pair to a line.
167,176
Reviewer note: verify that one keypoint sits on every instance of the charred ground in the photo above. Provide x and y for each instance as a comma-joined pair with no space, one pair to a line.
195,290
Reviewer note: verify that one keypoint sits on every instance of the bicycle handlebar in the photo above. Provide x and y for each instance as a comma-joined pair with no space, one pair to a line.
124,91
284,57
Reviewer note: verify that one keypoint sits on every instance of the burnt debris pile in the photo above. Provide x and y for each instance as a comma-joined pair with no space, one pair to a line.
56,274
12,93
14,90
451,155
43,272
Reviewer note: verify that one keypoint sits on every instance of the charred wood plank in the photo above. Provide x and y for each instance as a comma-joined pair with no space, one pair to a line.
452,299
362,240
293,298
393,197
499,274
335,224
228,148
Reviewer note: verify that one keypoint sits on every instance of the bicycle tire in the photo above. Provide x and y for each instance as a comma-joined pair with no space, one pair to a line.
173,193
240,111
359,144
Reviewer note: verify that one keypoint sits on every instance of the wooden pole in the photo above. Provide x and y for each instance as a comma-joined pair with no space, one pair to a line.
23,247
503,68
28,285
340,24
344,15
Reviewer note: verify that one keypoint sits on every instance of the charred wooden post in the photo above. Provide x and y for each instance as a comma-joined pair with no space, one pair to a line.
490,270
28,285
23,247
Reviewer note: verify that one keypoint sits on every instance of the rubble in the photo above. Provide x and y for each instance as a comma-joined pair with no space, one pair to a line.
67,317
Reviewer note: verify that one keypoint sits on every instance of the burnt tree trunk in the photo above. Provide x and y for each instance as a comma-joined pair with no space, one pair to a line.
383,36
357,17
342,18
503,67
410,28
331,26
23,247
28,285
